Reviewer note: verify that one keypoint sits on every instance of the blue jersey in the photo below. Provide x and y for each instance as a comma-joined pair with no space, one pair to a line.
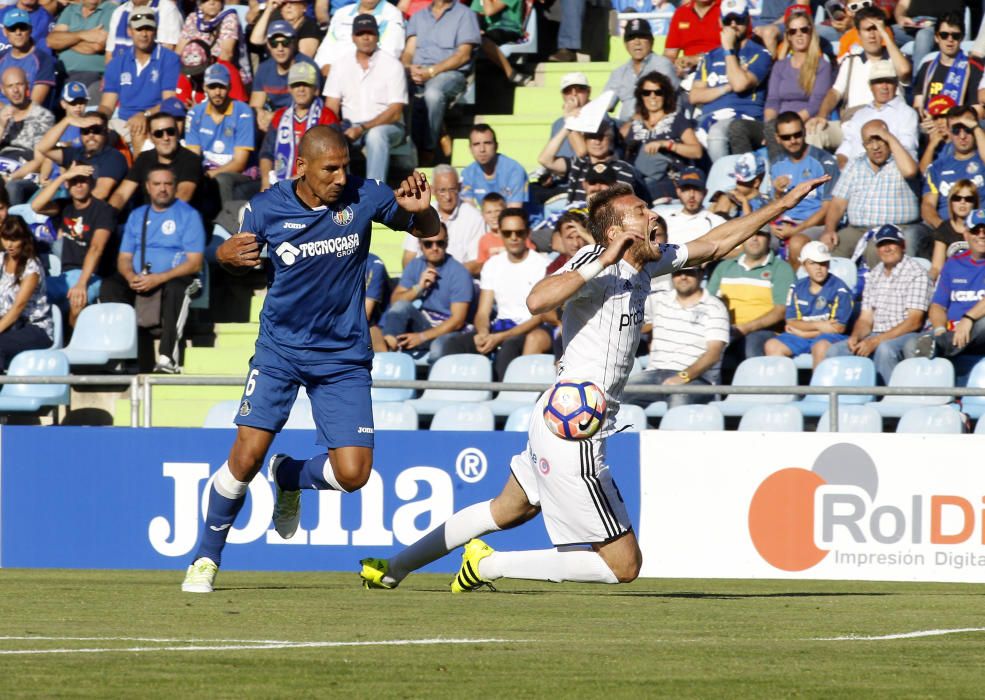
945,172
749,103
315,309
833,302
815,163
960,286
510,180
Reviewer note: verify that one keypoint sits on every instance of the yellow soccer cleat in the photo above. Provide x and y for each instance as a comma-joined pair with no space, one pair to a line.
373,572
468,578
200,576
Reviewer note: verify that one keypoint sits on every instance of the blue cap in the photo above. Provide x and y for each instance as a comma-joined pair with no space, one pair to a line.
217,73
174,107
691,177
888,233
748,167
976,218
15,17
280,27
74,91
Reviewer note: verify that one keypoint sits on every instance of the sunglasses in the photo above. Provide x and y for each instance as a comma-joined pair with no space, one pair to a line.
856,6
20,28
794,31
966,198
78,181
652,93
166,131
956,36
790,137
958,129
279,43
729,20
95,130
510,233
977,231
434,244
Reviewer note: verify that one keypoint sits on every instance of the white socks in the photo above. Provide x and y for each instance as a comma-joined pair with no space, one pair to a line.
580,565
466,524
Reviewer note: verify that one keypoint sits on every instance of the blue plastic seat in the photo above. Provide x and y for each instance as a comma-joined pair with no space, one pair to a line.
30,398
850,370
464,416
759,371
917,372
526,369
631,418
103,332
772,419
58,328
221,414
974,406
693,416
980,427
519,420
393,366
454,368
719,176
392,415
852,419
924,420
657,409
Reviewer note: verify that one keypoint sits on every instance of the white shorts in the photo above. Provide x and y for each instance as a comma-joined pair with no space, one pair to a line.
570,481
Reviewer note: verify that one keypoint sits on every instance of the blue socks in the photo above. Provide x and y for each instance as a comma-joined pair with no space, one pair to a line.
315,473
226,498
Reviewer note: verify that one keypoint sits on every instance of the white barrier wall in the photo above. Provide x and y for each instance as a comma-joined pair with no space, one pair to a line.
813,506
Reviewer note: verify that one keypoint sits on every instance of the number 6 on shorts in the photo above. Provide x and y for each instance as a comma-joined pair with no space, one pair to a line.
251,382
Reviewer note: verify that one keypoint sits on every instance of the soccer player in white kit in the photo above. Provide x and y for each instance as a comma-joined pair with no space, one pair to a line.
603,289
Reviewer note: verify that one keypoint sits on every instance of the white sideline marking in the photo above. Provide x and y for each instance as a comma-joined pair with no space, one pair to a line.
901,635
226,644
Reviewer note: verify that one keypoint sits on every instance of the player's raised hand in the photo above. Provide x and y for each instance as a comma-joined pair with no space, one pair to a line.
794,195
414,193
241,250
620,241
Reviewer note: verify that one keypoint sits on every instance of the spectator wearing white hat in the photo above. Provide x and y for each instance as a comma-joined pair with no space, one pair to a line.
746,197
886,106
638,38
557,154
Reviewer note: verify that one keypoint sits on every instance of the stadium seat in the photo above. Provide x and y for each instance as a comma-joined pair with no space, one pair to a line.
393,366
772,419
974,406
221,414
916,372
759,371
923,262
940,420
30,398
980,427
693,416
526,369
391,415
838,371
631,419
58,328
300,417
852,419
454,368
103,332
463,416
657,409
720,176
519,420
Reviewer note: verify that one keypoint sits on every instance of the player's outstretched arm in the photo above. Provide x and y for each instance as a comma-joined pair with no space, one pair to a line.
241,250
552,291
718,242
414,197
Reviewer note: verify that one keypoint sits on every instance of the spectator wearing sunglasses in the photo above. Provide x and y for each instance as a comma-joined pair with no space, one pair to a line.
167,151
623,82
918,17
38,17
38,66
110,165
294,14
951,237
961,160
888,106
952,78
271,91
730,80
169,21
79,39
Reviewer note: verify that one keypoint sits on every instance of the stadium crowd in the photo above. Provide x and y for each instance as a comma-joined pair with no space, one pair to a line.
130,133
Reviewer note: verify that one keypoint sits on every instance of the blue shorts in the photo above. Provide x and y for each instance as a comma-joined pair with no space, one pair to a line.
802,346
59,285
339,394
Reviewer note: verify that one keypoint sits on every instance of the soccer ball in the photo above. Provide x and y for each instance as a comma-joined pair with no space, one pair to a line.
575,410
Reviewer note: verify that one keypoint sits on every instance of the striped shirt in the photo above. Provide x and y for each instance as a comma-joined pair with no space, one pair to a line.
876,197
681,333
907,286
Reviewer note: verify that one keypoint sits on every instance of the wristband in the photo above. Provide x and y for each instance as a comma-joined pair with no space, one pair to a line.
973,320
590,270
417,290
940,330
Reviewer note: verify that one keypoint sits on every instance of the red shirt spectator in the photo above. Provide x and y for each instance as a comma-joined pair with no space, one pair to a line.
192,91
693,33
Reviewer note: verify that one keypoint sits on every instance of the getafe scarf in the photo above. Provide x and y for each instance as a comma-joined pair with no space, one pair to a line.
956,82
285,146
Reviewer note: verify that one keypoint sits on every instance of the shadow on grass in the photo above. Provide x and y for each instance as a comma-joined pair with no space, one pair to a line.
741,596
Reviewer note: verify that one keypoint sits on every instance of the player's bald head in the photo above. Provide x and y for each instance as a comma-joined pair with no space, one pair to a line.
319,139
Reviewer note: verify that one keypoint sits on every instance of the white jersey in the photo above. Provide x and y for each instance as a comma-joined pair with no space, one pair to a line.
601,323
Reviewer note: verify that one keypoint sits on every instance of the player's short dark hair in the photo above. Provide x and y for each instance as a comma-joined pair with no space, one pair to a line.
602,214
483,129
952,18
158,116
962,111
160,167
789,117
870,12
515,211
571,217
494,197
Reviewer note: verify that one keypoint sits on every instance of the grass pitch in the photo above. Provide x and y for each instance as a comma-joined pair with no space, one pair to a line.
134,634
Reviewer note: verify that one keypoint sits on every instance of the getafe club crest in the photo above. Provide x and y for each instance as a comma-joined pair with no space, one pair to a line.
343,218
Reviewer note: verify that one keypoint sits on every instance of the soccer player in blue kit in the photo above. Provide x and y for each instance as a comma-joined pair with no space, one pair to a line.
313,333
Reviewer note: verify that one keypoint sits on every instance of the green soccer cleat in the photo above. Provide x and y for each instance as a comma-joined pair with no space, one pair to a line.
287,504
200,576
468,578
373,572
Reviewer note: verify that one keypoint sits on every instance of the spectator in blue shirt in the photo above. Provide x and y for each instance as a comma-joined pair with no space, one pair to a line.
38,65
438,56
270,89
40,19
492,171
819,307
961,161
431,302
957,309
138,80
730,80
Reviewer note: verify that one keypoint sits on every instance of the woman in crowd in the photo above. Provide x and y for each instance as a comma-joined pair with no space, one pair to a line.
659,136
218,27
294,13
952,235
25,316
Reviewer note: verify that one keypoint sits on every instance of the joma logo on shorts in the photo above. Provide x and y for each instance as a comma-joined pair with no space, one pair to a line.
364,429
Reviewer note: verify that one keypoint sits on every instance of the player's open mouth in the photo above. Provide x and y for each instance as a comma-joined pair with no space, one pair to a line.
653,235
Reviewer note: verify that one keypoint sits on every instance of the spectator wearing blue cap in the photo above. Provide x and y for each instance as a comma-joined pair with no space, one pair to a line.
38,17
38,66
957,309
169,21
746,196
79,39
138,80
75,103
894,305
293,13
271,91
692,220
